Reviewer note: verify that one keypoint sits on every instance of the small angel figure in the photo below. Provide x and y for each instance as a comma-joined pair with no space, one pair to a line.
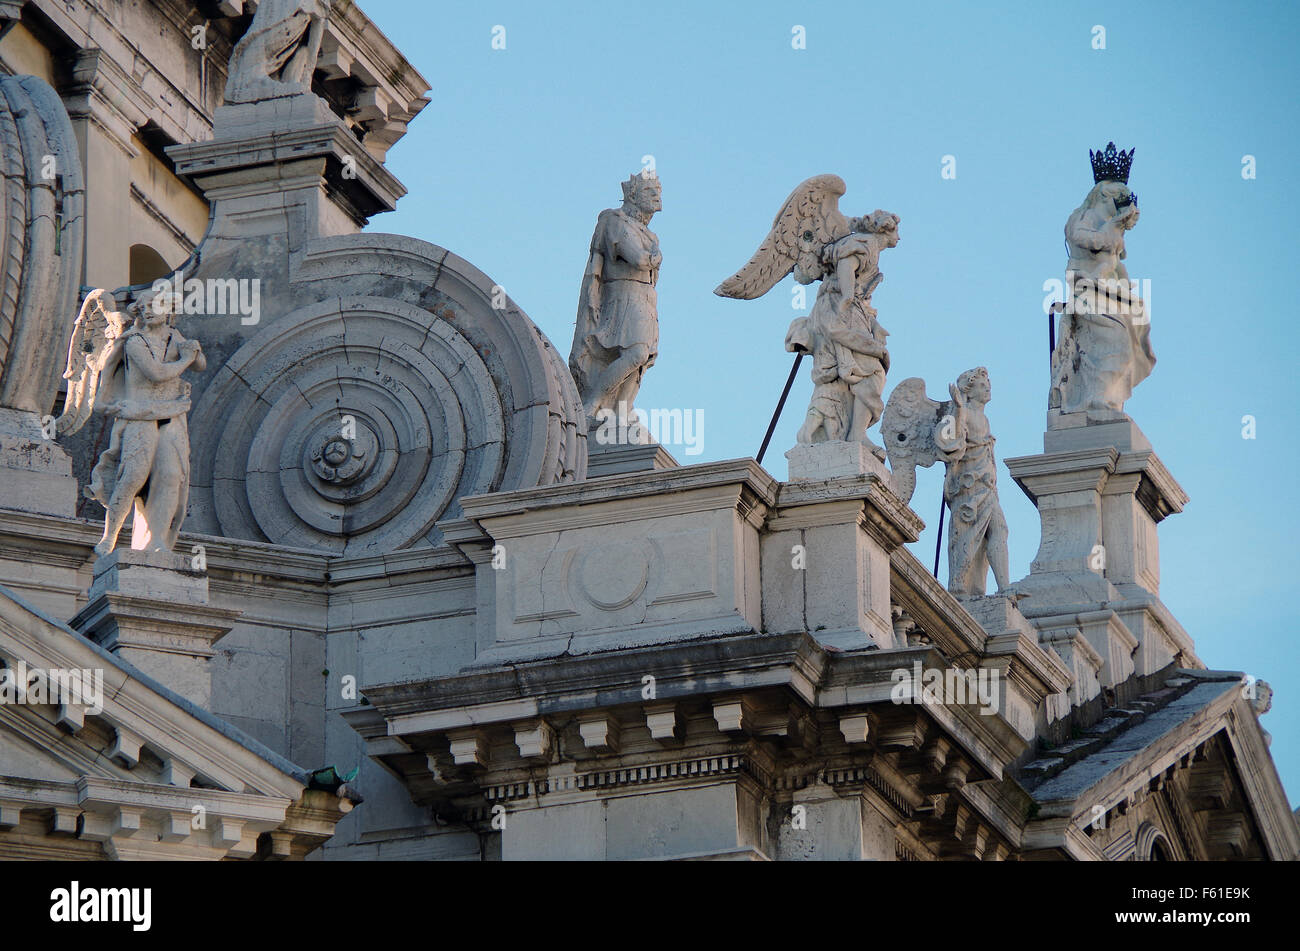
920,432
812,239
133,376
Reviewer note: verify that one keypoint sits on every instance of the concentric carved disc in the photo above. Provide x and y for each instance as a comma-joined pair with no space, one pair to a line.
389,379
350,425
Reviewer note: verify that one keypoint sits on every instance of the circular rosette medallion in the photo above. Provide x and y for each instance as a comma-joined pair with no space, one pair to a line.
349,426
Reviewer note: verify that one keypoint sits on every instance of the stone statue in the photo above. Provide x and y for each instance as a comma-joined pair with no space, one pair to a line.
812,239
919,432
616,336
277,56
132,374
1260,695
1104,347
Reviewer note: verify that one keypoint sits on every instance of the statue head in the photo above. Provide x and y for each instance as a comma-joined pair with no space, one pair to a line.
1110,197
157,306
1260,696
879,222
974,385
643,193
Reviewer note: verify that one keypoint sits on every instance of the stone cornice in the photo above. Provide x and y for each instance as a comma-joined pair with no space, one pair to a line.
93,32
1258,776
733,478
125,802
360,33
135,709
680,669
158,215
884,515
934,609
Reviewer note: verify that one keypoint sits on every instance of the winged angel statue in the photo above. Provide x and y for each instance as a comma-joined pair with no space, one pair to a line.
132,374
920,432
813,239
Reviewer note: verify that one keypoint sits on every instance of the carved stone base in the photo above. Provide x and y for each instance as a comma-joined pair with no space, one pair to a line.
1028,688
834,460
35,473
1100,490
625,458
293,146
152,610
826,554
1056,420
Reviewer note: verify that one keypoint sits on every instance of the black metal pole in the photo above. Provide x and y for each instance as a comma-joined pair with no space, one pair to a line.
1057,307
771,427
938,542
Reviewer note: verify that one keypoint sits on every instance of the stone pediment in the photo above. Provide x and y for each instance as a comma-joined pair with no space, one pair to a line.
112,764
1181,773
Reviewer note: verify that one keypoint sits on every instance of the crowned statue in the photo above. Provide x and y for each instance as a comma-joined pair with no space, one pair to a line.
1104,348
616,335
132,374
812,239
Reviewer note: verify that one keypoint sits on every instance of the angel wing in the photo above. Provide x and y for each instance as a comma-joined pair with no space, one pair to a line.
907,428
94,335
810,219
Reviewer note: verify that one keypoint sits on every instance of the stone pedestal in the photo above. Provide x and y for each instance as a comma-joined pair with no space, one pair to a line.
152,610
826,564
623,458
638,558
834,460
35,473
1101,490
292,149
1030,685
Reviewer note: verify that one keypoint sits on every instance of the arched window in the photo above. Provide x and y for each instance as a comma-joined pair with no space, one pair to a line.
146,265
1152,846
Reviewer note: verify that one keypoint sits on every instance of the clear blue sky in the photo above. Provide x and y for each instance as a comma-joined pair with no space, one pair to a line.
521,148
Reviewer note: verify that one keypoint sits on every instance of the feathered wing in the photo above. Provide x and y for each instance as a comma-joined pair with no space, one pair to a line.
93,335
907,429
810,218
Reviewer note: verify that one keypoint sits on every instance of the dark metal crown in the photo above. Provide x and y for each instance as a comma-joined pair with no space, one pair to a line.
1111,165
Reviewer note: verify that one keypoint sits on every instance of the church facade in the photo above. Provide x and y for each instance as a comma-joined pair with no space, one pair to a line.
391,596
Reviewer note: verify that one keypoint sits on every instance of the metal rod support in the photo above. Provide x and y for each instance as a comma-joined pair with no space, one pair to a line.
771,427
938,542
